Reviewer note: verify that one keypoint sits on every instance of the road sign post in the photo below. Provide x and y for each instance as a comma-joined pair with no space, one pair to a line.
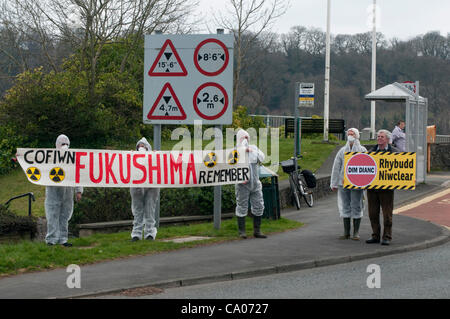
297,130
304,97
189,78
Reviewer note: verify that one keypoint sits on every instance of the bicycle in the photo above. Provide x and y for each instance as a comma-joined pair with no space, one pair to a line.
298,183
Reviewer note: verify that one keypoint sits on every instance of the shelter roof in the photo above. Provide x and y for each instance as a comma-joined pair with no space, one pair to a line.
394,92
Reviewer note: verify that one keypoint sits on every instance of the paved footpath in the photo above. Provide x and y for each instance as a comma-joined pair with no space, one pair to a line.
313,245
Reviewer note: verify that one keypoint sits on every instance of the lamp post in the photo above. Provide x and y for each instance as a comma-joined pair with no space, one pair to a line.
327,78
374,69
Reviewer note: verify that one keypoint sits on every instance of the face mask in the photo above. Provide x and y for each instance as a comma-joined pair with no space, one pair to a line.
245,143
351,139
65,147
142,149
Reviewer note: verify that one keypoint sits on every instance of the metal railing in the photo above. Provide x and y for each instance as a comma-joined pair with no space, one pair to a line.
442,139
274,120
30,197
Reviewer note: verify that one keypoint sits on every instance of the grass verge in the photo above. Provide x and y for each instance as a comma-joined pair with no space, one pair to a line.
27,256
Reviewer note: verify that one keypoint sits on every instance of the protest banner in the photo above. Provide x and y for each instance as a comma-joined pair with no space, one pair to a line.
107,168
380,170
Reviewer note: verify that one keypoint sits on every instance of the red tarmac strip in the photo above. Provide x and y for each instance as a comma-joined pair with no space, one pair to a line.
436,211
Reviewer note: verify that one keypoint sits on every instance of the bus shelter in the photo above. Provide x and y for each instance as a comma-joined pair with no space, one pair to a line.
416,120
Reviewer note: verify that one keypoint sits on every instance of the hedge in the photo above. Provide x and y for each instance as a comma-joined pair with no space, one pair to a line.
11,223
111,204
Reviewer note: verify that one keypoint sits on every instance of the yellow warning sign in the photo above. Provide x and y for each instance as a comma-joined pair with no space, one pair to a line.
57,174
34,174
380,170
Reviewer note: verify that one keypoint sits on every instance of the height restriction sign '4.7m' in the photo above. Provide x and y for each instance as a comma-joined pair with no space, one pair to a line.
188,78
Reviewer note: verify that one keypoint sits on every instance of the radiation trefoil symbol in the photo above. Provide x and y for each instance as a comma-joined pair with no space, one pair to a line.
57,174
34,174
210,159
233,157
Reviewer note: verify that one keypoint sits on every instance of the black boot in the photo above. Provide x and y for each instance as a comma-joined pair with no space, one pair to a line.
241,227
257,227
346,229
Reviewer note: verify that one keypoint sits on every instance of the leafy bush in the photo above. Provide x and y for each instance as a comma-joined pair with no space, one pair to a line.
8,147
194,201
12,223
241,119
101,205
41,106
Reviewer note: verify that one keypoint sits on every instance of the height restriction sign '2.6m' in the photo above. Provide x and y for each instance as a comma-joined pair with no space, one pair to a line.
188,78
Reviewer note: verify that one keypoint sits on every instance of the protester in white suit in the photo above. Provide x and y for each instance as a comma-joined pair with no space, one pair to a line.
143,204
250,190
59,205
350,201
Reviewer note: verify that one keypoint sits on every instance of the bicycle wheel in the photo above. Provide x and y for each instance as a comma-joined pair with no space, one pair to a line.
307,193
295,192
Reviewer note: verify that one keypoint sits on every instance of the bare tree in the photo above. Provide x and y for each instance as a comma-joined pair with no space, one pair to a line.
88,25
433,44
362,42
264,67
251,18
14,37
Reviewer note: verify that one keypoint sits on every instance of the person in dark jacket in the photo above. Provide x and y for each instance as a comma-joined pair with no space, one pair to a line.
383,198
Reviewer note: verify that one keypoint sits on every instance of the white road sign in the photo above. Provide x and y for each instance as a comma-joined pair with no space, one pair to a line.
188,78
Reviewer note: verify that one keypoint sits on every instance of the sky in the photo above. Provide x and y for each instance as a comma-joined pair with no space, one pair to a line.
403,19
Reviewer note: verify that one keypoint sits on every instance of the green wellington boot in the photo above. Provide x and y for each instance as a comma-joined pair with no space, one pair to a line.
257,227
346,229
356,223
241,227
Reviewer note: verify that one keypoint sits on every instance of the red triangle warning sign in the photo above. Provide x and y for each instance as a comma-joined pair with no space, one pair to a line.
167,106
168,62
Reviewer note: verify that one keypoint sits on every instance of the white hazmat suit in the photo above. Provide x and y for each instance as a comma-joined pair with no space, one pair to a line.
59,205
143,205
350,201
251,190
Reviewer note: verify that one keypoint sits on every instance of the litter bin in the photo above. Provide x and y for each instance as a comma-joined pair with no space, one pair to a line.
271,193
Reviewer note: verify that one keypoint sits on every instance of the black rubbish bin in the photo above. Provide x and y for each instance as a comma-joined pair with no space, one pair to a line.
271,193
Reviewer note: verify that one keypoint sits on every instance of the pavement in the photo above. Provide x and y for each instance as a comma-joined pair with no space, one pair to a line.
316,244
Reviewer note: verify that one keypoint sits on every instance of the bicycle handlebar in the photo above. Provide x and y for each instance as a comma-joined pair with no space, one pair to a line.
292,158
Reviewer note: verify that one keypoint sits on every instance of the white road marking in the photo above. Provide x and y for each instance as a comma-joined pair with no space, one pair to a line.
422,201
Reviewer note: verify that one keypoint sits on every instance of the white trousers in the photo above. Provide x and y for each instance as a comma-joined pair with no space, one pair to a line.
350,203
244,194
143,207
